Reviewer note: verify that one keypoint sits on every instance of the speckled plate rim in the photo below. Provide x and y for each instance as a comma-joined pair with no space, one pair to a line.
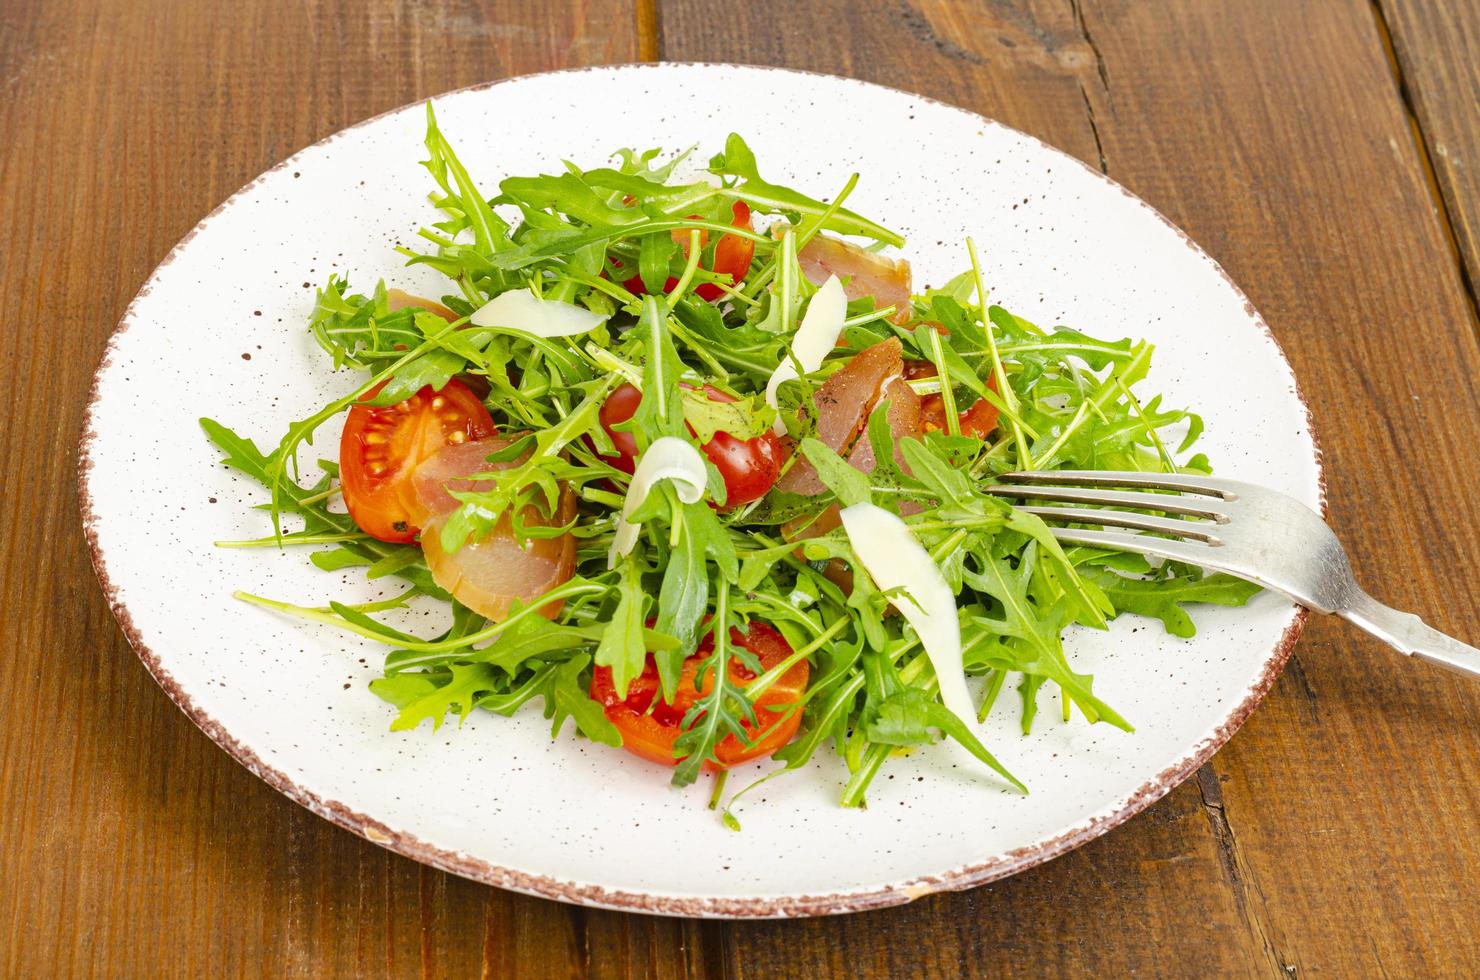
895,893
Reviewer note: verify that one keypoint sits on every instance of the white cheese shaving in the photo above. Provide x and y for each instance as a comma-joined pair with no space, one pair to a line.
519,309
894,558
668,458
817,334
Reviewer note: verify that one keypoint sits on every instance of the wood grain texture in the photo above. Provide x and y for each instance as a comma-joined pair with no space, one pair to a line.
132,846
1435,47
1336,834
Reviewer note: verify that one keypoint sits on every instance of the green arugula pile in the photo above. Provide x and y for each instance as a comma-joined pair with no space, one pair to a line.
1066,402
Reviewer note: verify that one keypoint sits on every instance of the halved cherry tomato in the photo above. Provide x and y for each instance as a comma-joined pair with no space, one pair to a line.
650,726
382,445
732,255
979,420
749,466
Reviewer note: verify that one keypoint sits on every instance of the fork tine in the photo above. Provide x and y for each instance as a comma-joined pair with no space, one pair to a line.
1126,478
1167,503
1185,551
1197,530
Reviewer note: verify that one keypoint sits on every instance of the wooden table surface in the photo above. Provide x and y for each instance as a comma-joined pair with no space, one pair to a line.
1326,152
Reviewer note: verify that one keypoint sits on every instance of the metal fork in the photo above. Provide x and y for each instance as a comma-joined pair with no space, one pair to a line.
1238,528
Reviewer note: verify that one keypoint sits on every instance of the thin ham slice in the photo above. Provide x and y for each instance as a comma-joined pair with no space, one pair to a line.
398,299
490,574
843,403
978,420
878,373
448,469
904,420
863,273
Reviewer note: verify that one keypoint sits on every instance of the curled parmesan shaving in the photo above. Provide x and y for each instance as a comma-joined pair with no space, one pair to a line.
817,334
519,309
668,458
894,558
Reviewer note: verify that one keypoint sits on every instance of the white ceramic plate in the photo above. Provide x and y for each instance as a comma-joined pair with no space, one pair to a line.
219,330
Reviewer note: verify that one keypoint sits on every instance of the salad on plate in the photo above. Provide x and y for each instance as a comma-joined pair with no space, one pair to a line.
691,464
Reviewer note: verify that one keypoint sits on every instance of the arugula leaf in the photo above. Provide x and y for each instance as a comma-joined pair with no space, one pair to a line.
743,418
721,713
479,511
622,647
1034,630
906,717
240,452
418,703
947,483
738,161
661,411
566,698
1163,597
569,194
847,484
352,328
489,230
683,597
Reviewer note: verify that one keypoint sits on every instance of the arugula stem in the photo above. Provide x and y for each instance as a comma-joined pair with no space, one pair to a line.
688,271
715,794
994,687
568,590
1004,389
949,545
763,683
1064,436
1161,449
947,392
316,498
700,349
277,541
874,758
869,317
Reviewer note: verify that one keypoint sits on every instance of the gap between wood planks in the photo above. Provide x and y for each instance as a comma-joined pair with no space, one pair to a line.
1426,160
1075,6
1248,897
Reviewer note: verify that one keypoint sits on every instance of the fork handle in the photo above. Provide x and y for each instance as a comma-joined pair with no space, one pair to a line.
1406,632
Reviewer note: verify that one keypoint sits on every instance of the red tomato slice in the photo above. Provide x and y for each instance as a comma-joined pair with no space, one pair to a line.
978,420
749,466
650,726
732,255
382,445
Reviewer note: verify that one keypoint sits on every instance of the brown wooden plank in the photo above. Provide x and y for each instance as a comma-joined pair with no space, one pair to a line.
140,848
1436,55
1365,765
133,846
1341,821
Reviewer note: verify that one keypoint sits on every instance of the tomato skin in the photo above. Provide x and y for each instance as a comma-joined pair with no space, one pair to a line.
749,466
732,255
620,406
650,729
382,445
978,420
